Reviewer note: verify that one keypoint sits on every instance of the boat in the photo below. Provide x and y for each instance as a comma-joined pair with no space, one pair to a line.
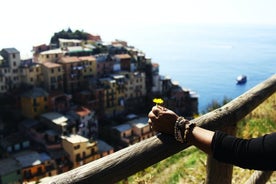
241,79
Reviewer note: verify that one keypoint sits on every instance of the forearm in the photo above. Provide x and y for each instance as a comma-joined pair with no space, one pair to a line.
202,139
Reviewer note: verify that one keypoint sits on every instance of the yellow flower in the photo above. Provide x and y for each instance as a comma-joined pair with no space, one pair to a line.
158,101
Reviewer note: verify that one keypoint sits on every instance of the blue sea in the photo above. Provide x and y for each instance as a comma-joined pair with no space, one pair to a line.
207,58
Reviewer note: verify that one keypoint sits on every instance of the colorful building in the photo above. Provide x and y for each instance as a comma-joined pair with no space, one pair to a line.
80,149
55,121
52,55
9,73
74,78
90,66
34,102
87,122
35,166
53,76
113,105
30,73
104,65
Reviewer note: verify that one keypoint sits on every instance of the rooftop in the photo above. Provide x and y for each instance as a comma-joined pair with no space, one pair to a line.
123,56
51,65
35,92
71,59
56,118
103,146
78,49
75,138
31,158
82,111
52,51
87,58
123,127
8,165
69,40
140,122
10,50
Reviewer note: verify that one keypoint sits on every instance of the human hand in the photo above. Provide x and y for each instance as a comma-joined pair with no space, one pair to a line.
162,119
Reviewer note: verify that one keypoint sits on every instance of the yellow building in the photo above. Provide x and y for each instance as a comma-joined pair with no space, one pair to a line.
73,73
90,66
52,55
53,76
113,97
135,85
30,73
65,43
80,149
34,102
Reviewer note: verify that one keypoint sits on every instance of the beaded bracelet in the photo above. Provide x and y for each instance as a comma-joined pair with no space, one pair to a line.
182,128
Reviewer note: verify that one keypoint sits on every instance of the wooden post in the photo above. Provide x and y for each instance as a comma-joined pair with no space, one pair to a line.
217,172
259,177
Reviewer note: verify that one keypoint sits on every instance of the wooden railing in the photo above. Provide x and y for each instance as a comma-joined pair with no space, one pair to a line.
126,162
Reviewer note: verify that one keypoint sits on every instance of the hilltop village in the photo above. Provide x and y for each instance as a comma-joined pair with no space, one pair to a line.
76,101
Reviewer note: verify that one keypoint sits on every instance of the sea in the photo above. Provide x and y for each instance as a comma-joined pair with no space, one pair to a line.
207,59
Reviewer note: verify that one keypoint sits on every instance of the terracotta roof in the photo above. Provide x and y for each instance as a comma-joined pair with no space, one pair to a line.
123,56
82,111
87,58
94,37
51,65
69,59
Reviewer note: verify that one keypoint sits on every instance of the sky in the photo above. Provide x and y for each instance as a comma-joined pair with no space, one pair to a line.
26,23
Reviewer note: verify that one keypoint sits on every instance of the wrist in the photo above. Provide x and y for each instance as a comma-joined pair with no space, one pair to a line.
183,129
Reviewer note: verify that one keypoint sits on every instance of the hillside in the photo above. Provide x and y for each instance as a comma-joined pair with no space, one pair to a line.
189,165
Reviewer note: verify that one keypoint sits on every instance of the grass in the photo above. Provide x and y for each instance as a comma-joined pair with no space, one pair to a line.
189,166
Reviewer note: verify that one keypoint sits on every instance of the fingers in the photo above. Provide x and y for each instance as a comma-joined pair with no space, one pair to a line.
157,109
150,123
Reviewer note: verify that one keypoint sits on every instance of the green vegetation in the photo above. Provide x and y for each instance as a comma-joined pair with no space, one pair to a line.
69,34
189,166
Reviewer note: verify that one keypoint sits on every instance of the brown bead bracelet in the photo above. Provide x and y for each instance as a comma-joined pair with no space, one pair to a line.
182,128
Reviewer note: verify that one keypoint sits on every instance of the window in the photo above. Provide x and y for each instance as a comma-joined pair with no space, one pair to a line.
13,55
78,158
53,79
14,63
77,147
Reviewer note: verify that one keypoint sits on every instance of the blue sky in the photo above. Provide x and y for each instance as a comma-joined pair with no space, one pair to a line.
31,22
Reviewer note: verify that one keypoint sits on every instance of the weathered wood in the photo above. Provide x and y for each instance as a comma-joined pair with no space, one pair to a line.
217,172
130,160
259,177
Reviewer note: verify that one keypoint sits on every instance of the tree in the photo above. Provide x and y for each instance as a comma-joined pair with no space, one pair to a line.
69,34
